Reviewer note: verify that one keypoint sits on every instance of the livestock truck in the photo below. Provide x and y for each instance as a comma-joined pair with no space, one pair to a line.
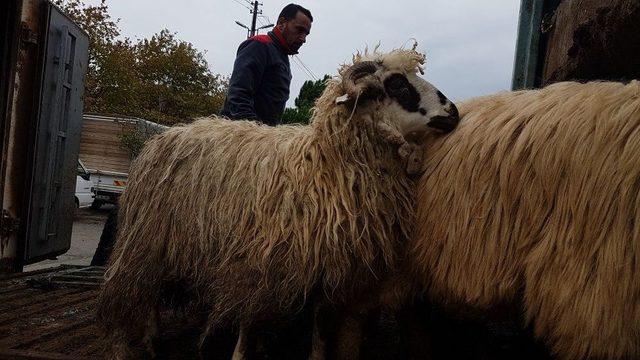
44,314
49,314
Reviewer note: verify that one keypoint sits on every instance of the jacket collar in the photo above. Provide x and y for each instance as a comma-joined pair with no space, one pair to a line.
276,34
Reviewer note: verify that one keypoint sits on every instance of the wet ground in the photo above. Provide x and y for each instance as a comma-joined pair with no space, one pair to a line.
50,314
87,228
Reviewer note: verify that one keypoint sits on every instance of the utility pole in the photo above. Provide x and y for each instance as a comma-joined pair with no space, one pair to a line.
255,17
255,12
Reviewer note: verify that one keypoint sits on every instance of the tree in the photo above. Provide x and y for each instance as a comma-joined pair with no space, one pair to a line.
309,92
162,79
176,83
103,31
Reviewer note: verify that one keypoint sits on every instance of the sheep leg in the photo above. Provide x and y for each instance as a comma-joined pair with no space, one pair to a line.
318,341
241,346
151,332
391,295
349,337
128,325
217,341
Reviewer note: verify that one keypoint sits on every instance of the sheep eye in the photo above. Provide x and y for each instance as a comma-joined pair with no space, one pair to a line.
400,89
396,84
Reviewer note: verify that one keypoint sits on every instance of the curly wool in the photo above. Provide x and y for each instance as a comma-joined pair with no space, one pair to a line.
537,194
252,219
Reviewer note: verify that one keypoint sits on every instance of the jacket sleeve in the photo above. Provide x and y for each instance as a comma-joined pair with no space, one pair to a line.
246,78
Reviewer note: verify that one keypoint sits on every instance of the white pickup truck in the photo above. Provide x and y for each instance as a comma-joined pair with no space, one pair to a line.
107,187
105,157
97,187
84,187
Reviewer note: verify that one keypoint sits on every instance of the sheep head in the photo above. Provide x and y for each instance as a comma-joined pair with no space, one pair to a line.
391,80
407,106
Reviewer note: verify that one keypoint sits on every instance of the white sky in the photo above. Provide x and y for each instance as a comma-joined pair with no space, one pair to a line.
469,44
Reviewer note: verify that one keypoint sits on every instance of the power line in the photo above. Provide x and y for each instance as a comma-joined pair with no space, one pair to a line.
302,69
244,5
261,23
306,68
266,18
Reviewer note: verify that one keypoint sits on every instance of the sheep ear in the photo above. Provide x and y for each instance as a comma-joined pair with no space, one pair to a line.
342,99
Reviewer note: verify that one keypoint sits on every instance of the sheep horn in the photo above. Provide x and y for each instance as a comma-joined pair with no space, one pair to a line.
360,70
367,90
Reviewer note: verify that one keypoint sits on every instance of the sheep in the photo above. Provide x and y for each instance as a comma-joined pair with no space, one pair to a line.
535,198
251,220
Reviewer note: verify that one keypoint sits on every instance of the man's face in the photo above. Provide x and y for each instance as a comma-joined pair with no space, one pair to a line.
295,31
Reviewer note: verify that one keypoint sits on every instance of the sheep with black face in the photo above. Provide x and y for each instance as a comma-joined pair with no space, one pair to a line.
251,218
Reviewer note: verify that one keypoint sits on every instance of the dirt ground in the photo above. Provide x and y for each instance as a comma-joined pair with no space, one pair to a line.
87,228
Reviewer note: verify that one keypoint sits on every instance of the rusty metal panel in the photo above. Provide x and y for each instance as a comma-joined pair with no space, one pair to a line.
593,40
23,60
531,43
57,139
9,20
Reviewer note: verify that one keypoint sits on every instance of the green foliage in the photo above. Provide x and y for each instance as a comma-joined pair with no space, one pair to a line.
309,92
132,140
176,81
162,79
296,116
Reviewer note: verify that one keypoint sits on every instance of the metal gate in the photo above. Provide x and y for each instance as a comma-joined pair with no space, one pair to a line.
57,139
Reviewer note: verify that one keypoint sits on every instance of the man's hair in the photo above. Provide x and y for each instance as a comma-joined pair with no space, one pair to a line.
289,12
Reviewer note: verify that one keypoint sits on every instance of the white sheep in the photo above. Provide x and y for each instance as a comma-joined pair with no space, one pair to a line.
537,195
248,219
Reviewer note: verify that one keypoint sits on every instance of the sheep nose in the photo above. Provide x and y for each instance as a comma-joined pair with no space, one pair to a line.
453,111
446,123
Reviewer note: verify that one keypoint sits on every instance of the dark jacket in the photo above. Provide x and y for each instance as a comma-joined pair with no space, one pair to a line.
259,84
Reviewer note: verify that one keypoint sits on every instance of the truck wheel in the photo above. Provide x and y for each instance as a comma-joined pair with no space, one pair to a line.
96,204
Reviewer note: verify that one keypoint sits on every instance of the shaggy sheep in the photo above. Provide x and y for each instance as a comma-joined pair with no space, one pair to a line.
249,219
536,196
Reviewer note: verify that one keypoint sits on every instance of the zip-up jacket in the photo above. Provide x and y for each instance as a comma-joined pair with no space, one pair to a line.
259,84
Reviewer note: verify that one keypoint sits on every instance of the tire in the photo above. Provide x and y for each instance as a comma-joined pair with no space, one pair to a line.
96,204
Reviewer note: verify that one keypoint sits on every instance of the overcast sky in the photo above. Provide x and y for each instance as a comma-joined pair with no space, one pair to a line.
469,44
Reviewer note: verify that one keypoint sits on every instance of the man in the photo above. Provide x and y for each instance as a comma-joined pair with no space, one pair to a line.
259,85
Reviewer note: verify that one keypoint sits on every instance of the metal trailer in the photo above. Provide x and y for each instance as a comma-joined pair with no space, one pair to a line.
43,60
583,40
531,42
